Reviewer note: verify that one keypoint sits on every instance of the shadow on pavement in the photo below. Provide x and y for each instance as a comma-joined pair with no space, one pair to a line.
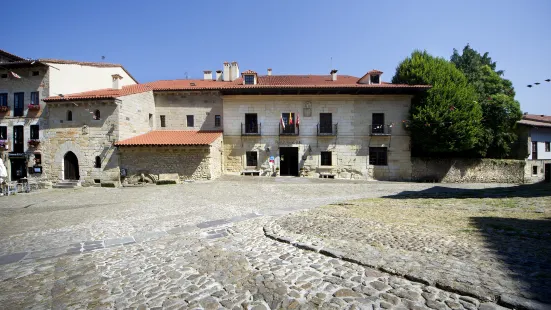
442,192
524,247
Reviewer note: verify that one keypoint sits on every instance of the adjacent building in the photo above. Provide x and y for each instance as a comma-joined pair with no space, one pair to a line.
24,84
535,130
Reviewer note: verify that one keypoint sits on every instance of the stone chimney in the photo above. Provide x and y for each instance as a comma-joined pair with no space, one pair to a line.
334,75
227,73
117,84
207,75
219,75
269,71
234,71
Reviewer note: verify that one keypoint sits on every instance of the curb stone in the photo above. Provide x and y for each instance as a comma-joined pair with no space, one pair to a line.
496,302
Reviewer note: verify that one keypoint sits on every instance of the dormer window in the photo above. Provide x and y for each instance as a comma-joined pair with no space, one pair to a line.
249,79
375,79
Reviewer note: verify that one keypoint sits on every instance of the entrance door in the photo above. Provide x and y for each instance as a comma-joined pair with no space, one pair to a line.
18,168
18,139
288,161
548,173
71,166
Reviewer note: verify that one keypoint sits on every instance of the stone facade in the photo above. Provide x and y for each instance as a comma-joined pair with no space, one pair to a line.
134,114
349,147
461,170
183,162
175,107
85,137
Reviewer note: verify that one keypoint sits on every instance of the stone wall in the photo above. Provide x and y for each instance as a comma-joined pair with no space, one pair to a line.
468,170
537,166
350,147
216,151
189,163
134,114
176,106
85,137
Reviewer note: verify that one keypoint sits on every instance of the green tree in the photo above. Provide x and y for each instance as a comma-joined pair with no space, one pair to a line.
496,97
445,120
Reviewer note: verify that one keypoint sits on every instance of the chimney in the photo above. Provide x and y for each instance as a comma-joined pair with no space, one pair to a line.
227,73
334,75
207,75
219,75
117,81
269,71
234,71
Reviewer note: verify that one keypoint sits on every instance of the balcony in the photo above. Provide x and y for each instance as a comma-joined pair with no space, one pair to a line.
289,130
33,142
327,129
34,107
251,130
380,130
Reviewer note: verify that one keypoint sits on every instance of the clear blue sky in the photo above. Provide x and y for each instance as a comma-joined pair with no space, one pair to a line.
165,39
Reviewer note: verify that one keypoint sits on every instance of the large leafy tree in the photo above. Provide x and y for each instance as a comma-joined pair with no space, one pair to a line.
496,97
445,120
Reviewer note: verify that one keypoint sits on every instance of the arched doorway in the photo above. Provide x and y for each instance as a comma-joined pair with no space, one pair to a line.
70,165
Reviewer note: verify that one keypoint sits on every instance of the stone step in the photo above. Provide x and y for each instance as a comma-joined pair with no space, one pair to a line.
67,184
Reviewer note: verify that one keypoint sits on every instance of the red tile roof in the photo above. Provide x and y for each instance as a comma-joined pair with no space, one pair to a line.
536,120
172,137
249,72
17,58
276,81
374,71
107,93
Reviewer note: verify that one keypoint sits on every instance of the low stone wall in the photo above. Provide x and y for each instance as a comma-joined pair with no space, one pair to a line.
459,170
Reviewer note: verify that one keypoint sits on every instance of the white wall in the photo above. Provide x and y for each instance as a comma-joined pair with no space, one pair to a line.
71,78
541,135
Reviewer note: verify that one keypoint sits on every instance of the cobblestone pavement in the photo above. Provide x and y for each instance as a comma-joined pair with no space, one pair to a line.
195,245
502,251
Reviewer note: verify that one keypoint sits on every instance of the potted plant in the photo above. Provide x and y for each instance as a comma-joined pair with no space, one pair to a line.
34,107
34,142
3,144
4,108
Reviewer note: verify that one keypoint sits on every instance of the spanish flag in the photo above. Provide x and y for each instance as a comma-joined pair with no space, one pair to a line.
290,118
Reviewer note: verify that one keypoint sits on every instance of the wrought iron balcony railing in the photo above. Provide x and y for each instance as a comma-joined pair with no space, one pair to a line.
327,129
251,129
380,130
289,130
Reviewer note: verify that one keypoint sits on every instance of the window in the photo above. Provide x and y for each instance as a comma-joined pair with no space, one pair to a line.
534,149
535,170
3,132
326,123
18,106
190,122
18,139
375,79
37,159
36,73
150,120
97,115
34,98
326,158
289,120
378,123
249,79
547,146
163,121
97,163
252,159
69,115
378,156
4,100
251,123
35,132
217,121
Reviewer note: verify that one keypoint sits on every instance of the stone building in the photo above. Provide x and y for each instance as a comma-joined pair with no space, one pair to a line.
235,123
24,84
535,133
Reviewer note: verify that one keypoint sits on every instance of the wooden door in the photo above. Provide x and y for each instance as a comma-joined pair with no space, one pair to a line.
71,167
534,150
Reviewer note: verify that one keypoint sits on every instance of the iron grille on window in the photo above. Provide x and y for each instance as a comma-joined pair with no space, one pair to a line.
378,156
326,158
252,159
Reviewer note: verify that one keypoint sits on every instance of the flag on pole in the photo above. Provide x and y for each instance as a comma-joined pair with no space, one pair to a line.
15,75
290,118
282,122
